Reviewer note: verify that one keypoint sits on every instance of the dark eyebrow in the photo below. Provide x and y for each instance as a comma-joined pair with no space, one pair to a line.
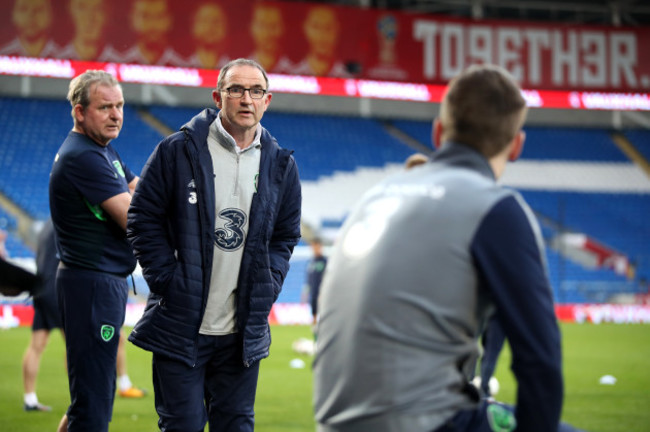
256,86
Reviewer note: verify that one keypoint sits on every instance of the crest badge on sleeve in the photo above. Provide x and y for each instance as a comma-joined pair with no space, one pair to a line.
107,332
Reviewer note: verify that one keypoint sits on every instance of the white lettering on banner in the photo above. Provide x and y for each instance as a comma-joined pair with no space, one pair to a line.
614,101
7,319
623,51
453,58
574,57
480,44
392,90
619,314
533,99
160,75
294,84
36,67
292,313
508,52
565,58
537,39
594,70
426,31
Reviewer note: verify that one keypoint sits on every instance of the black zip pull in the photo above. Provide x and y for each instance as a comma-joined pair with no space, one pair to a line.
133,283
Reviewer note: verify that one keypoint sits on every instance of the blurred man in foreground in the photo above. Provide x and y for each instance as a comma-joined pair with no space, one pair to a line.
421,263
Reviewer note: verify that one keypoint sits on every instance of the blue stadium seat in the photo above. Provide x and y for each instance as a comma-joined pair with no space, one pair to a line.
294,282
640,138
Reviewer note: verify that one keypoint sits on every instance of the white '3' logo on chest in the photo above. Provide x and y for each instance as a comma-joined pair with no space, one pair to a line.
192,198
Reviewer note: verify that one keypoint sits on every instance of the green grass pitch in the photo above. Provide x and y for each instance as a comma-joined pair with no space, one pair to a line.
284,394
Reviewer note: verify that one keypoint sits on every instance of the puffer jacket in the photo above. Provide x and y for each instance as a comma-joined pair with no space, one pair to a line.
171,223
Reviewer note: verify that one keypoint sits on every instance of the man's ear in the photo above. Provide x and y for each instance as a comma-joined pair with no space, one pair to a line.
78,113
216,97
436,133
517,146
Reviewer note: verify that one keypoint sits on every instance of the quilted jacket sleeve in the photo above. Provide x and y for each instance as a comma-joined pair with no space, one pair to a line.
147,220
286,232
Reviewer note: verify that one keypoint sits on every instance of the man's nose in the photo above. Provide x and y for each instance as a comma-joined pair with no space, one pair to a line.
247,96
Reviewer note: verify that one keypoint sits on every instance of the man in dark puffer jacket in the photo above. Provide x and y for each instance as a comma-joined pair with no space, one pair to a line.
213,224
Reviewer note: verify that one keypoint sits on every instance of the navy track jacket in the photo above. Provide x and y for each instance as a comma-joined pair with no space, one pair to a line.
171,225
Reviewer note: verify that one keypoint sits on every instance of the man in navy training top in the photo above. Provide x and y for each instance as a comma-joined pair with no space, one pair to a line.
421,263
315,272
213,224
90,192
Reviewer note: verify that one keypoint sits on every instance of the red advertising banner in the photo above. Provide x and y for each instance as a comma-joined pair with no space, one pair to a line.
311,85
314,39
604,313
14,315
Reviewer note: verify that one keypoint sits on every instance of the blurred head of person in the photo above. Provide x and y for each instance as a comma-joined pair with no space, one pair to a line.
415,159
33,20
209,24
321,28
267,30
89,18
97,105
483,108
317,246
209,30
151,20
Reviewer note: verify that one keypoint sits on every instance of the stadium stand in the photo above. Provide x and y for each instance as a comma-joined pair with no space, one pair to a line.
323,144
341,157
34,130
615,219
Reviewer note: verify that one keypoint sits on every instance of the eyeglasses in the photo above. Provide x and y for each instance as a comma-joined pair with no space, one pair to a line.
238,92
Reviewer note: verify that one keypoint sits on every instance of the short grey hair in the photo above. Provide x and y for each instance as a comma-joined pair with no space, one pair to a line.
79,90
240,62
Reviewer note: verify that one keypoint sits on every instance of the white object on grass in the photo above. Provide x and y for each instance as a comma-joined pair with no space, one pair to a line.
608,380
297,363
304,346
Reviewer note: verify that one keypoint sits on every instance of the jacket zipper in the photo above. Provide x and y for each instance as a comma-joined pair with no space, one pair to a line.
190,157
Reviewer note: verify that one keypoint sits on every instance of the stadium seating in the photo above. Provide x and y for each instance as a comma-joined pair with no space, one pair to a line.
641,141
17,248
322,144
34,130
419,130
339,158
577,144
7,221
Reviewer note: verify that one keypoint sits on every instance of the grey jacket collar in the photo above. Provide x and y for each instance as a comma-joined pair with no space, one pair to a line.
463,156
